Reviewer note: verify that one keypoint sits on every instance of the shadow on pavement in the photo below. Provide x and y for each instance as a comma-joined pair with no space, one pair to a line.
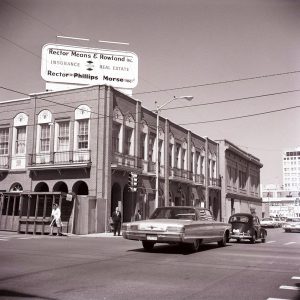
177,249
8,293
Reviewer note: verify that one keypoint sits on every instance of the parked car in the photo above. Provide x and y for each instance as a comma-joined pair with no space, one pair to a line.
291,224
269,222
247,227
178,224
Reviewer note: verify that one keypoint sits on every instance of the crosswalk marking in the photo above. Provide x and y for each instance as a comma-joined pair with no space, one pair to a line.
4,240
296,277
270,242
288,287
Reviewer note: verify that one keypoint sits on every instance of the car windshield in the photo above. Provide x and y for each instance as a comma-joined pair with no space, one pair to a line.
174,213
267,219
239,219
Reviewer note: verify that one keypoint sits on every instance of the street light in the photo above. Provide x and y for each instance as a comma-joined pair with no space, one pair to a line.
158,108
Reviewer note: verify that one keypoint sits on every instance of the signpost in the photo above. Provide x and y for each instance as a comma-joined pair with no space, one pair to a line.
89,66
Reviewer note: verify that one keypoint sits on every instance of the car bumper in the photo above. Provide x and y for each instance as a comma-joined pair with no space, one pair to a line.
240,236
155,237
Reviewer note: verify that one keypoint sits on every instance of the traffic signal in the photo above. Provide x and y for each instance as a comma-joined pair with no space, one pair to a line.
132,181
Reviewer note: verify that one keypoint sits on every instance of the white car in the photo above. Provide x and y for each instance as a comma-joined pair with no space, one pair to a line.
269,222
291,224
178,225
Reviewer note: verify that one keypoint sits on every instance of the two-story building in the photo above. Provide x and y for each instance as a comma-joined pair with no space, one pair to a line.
240,173
79,146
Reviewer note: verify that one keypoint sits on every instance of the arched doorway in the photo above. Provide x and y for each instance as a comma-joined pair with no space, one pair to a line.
115,197
127,204
41,187
80,188
60,187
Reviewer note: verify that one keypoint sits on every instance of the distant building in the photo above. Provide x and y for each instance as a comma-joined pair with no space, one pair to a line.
280,202
240,173
291,169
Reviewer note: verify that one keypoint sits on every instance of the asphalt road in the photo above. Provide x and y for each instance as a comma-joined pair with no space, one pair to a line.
93,267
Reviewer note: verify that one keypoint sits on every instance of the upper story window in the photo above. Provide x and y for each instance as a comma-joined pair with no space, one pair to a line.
63,136
144,140
129,136
45,138
83,134
184,156
177,156
44,131
82,128
117,131
151,149
171,151
19,134
4,132
160,140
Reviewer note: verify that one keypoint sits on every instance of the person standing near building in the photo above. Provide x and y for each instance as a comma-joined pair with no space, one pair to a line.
138,215
56,219
117,220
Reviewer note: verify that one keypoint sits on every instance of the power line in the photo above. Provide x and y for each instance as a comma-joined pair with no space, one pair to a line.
221,82
241,117
233,100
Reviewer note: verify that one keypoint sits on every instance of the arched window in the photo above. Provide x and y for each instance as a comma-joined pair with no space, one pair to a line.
19,141
20,134
44,131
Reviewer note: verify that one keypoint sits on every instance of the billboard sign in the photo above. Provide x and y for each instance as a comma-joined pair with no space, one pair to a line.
89,66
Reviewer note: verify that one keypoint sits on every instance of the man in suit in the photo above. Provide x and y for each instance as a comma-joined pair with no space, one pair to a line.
117,220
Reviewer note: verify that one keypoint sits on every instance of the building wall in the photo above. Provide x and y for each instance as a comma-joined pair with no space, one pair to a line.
105,174
240,173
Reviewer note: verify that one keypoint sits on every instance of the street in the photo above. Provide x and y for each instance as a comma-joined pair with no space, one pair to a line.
106,267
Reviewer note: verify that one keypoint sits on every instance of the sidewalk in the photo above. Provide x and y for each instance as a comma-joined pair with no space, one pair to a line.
102,234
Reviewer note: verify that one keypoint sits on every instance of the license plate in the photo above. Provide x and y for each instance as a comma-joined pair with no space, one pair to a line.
151,237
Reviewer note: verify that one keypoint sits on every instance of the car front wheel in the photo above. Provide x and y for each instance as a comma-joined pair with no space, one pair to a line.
148,246
195,246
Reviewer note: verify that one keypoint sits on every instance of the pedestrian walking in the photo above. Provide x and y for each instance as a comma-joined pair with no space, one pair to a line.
138,215
117,220
56,219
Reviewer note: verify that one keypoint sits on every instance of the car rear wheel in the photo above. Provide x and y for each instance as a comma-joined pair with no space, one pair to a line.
148,246
223,242
263,238
253,239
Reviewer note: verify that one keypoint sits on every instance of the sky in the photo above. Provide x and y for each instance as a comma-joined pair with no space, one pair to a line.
242,53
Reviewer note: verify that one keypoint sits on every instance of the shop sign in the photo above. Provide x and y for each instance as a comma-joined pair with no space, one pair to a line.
89,66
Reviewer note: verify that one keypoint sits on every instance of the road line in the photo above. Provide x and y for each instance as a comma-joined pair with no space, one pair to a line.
290,243
296,277
269,242
288,287
4,240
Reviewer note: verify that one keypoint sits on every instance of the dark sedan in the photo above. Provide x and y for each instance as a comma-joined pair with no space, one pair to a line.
247,227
